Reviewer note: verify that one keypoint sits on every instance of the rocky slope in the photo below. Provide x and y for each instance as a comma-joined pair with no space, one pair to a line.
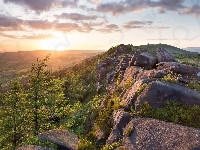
145,78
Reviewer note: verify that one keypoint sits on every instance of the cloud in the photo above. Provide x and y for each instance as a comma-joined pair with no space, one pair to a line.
136,24
112,7
32,37
39,24
94,1
166,5
163,6
194,10
10,23
109,28
43,5
76,16
66,27
159,27
37,37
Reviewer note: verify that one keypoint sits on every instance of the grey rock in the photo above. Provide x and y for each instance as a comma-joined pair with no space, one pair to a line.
34,147
183,69
164,56
131,95
129,74
64,139
157,93
143,58
147,74
153,134
146,60
109,76
135,56
120,120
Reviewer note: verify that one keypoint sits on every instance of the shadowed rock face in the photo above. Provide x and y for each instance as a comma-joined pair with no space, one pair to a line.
63,138
131,95
157,93
152,134
143,58
120,119
33,147
164,55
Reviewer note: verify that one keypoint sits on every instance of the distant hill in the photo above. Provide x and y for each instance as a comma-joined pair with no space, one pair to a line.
193,49
33,55
170,48
18,63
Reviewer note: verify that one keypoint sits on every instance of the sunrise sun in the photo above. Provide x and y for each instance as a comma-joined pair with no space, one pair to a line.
52,44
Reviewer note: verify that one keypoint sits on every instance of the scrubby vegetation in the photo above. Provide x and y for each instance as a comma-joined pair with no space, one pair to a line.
67,99
173,111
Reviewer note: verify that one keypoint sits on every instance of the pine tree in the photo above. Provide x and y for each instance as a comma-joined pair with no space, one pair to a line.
46,97
13,119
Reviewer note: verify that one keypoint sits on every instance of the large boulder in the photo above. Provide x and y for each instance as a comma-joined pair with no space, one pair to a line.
143,59
120,120
64,139
135,56
164,56
129,74
148,74
149,134
157,93
146,60
34,147
183,69
131,94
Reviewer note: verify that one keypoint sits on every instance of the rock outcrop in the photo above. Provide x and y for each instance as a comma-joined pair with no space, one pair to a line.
157,93
120,119
33,147
143,58
144,75
64,139
145,133
164,56
183,69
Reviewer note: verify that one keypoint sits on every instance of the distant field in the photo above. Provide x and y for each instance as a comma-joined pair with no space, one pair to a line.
14,64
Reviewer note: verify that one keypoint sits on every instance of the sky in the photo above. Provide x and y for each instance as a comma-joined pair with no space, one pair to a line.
97,24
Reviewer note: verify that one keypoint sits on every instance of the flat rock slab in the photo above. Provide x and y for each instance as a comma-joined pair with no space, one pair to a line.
157,93
64,139
33,147
152,134
183,69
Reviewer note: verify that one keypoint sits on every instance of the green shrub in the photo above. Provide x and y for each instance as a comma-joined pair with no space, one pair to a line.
130,131
33,140
170,78
129,83
112,146
85,144
194,85
173,111
141,88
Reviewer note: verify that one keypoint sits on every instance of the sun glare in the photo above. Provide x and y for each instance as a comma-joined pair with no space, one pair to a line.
52,44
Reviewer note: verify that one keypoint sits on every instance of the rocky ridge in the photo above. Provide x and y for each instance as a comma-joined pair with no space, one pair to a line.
141,75
143,68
